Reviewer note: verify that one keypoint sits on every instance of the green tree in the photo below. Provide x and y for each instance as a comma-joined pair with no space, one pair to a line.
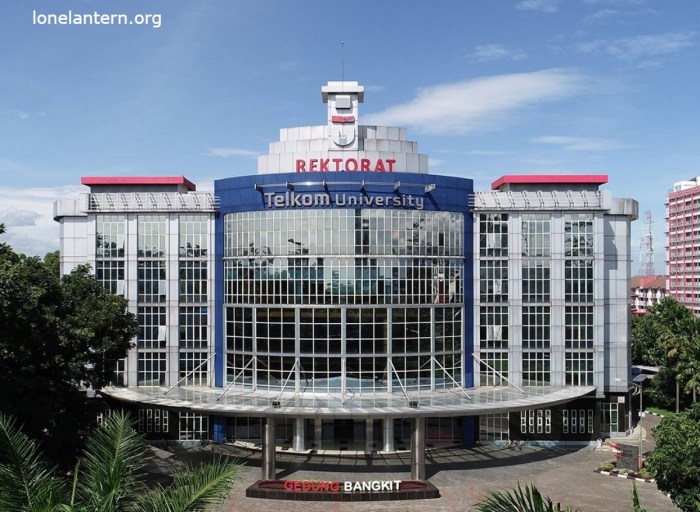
669,336
653,334
689,365
107,476
674,461
521,500
57,334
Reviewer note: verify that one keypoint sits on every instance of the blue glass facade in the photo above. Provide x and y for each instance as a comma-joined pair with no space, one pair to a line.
344,282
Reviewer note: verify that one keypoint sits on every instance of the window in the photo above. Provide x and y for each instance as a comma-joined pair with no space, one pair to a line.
497,369
493,282
577,421
578,368
193,281
578,281
578,235
536,368
493,327
110,236
152,420
151,237
536,281
110,274
239,329
536,327
536,235
151,368
610,416
119,375
195,367
493,234
193,426
493,427
578,327
194,327
152,326
152,286
194,236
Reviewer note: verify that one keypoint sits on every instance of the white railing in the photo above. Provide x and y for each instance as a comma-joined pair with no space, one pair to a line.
153,201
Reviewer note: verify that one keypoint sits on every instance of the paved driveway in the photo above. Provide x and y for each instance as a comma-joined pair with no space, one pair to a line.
462,476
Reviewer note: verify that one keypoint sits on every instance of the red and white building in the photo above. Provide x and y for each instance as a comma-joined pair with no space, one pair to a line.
683,239
647,291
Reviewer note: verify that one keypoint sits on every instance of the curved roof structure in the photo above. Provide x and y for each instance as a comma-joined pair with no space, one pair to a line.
446,402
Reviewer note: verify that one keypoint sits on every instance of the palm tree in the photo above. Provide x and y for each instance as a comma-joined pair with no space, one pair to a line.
106,476
521,500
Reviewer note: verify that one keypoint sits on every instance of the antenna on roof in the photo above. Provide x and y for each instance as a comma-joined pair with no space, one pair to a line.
646,247
342,61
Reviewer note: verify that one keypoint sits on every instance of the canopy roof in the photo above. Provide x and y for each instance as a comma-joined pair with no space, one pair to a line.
444,402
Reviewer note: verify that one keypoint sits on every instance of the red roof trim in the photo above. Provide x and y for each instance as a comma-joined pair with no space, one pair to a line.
542,179
138,180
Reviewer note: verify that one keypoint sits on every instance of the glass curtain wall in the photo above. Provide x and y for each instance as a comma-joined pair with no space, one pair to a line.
344,300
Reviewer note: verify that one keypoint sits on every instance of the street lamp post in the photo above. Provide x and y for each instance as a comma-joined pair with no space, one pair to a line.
638,390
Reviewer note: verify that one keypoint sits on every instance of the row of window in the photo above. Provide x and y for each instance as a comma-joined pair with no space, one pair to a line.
536,235
536,367
369,331
492,427
152,369
535,322
328,374
152,236
343,281
192,426
376,232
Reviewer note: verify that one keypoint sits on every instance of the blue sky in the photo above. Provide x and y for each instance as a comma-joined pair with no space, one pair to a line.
486,88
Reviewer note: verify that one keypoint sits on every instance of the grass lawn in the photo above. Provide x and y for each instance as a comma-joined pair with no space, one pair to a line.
662,412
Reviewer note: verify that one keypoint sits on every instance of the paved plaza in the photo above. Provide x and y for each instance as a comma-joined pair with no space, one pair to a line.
461,474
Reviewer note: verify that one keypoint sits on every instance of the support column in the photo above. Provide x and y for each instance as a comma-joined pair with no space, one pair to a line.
299,435
418,449
218,424
388,438
268,449
369,435
318,433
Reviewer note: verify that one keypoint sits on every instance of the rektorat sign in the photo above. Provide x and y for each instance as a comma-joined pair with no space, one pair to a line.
344,164
292,199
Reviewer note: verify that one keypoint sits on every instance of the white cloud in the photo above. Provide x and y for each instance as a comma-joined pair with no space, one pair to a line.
227,152
603,14
481,103
549,6
28,217
490,52
580,143
18,218
641,47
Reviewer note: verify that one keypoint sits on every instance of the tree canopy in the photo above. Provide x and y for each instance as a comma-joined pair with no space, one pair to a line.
57,334
668,336
674,461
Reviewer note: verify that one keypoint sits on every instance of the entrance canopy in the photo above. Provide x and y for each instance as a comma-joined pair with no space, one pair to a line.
445,402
